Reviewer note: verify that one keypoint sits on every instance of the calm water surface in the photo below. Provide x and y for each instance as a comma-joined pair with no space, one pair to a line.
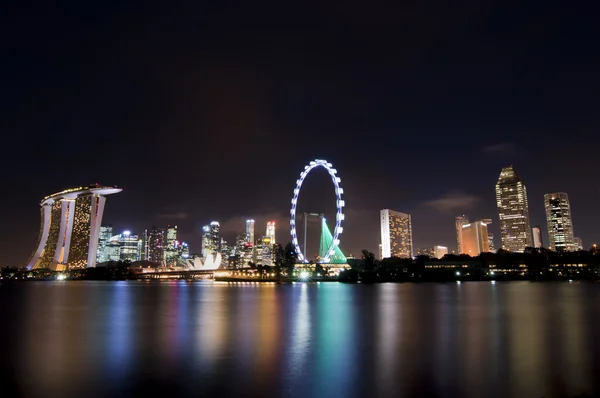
111,339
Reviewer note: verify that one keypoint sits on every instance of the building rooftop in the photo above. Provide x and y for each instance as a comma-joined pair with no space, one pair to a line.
72,193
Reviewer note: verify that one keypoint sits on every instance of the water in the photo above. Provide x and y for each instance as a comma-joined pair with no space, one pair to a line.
112,339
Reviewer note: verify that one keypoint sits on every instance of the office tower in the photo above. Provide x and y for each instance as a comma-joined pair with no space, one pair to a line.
491,244
215,238
271,231
250,231
380,252
396,234
130,247
70,228
579,243
206,246
513,211
113,249
560,224
156,245
263,251
537,237
459,222
427,251
183,252
211,240
170,249
475,238
103,239
439,251
226,253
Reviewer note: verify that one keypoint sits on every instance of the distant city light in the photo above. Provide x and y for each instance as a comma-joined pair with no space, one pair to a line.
126,233
61,277
304,275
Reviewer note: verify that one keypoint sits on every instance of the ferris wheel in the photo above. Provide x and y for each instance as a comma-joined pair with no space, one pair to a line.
339,217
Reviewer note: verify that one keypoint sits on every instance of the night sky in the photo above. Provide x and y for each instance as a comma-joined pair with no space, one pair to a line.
209,110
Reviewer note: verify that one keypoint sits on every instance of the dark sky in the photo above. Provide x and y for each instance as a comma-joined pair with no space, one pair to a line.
209,110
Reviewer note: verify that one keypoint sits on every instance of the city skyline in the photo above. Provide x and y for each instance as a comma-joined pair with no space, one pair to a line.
212,119
249,226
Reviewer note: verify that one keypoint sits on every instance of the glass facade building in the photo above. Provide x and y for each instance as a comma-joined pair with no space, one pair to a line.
396,234
459,222
513,211
560,224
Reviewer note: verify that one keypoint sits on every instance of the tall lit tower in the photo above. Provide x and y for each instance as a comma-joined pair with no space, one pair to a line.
250,231
70,228
536,231
271,231
513,211
475,238
459,222
560,224
396,234
206,242
171,251
215,238
156,245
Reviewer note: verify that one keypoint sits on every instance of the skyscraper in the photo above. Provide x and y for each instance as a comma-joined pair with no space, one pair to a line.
215,238
459,222
271,231
70,228
206,246
396,234
491,242
103,239
537,237
171,251
156,245
130,247
211,240
513,211
250,231
475,238
560,224
579,243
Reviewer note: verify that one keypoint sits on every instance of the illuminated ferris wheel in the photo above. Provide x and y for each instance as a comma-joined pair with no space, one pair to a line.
333,248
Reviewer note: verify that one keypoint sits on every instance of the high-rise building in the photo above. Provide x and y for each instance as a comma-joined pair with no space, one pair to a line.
130,247
250,231
70,228
103,239
560,224
171,251
113,249
271,231
513,211
226,253
459,222
156,245
425,251
491,242
579,243
475,238
433,252
536,232
439,251
263,251
211,240
206,242
396,234
215,238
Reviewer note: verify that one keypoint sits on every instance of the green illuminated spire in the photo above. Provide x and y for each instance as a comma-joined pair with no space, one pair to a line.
326,240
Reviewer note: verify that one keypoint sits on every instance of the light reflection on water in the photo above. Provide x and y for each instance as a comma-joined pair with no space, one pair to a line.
202,338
